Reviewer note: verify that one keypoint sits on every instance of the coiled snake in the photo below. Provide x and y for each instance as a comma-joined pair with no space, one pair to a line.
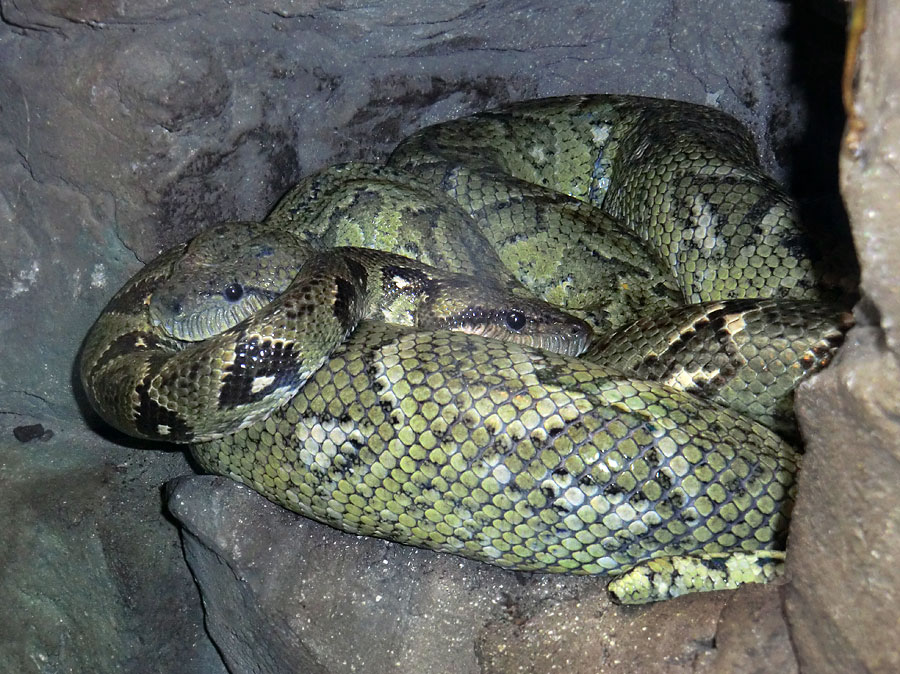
363,389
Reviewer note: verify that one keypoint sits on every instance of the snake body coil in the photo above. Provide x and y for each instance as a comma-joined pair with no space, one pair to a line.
648,220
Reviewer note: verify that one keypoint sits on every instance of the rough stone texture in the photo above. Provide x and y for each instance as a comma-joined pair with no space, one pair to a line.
93,575
283,594
728,632
153,120
844,549
125,126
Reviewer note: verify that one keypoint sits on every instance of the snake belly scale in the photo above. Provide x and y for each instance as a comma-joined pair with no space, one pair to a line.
623,212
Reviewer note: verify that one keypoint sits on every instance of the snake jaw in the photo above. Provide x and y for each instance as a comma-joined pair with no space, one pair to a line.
565,345
180,319
568,347
569,339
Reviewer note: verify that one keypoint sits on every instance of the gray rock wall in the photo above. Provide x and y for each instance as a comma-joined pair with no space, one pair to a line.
127,126
844,551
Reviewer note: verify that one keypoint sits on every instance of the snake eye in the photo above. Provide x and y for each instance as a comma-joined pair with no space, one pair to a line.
233,292
515,320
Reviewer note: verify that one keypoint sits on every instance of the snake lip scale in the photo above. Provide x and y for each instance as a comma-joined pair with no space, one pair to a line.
559,336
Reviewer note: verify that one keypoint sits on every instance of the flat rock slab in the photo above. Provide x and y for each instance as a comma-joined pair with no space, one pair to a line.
285,594
127,126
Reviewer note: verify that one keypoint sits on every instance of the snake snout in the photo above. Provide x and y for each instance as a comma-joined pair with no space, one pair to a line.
580,334
166,310
176,306
557,331
568,339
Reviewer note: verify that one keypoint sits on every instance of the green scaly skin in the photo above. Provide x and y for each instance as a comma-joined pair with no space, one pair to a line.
521,458
161,374
494,450
231,271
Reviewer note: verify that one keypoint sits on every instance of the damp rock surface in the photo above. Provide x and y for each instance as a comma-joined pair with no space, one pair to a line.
282,593
93,575
844,549
128,126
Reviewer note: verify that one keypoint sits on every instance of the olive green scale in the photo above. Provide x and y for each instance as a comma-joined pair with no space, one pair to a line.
615,208
516,457
684,178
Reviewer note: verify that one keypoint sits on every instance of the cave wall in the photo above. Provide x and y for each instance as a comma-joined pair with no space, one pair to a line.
128,126
844,551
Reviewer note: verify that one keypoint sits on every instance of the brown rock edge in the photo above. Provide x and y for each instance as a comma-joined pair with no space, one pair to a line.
844,548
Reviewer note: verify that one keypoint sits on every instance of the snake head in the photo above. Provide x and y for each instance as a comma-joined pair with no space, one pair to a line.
206,307
488,311
227,273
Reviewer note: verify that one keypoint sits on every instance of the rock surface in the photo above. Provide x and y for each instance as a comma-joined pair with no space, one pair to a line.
282,594
844,550
127,126
93,574
154,120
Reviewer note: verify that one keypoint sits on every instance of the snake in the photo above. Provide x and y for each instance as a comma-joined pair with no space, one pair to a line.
558,336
